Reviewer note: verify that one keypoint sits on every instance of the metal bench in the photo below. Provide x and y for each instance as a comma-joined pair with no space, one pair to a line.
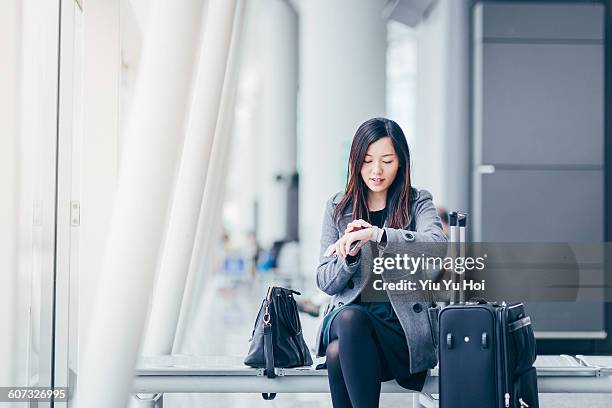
161,375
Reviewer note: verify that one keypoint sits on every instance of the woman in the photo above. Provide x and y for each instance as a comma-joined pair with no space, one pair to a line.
395,337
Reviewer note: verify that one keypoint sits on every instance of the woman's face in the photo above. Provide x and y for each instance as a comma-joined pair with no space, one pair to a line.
380,165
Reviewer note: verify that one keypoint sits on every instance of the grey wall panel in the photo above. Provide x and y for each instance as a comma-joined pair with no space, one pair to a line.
542,206
582,315
538,105
543,21
543,104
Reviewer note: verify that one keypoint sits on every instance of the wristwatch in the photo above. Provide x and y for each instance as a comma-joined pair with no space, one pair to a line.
374,237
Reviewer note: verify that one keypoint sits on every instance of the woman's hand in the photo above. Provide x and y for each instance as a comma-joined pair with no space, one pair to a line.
343,245
357,225
361,236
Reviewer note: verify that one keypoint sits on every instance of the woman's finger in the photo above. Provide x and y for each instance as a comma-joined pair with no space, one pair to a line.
356,249
340,248
361,224
365,224
330,250
349,242
350,226
356,224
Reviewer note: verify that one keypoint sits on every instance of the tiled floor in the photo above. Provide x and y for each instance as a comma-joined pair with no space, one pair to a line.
224,329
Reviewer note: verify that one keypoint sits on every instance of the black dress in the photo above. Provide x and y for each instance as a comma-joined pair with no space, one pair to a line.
390,338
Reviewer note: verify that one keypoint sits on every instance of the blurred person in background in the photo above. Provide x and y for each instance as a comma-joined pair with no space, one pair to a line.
253,250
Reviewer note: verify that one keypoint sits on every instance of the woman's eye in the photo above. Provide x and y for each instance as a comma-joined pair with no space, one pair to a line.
367,162
388,161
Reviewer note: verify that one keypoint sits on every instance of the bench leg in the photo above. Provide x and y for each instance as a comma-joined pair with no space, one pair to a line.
424,401
147,401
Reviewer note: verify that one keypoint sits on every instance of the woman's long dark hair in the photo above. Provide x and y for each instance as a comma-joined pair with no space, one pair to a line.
399,193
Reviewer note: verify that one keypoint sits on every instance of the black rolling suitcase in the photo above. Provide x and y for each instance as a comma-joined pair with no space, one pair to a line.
487,350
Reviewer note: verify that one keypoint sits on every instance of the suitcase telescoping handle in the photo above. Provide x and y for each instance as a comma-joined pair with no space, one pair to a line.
457,229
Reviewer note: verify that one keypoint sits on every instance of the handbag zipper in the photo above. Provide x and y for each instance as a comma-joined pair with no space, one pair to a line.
266,316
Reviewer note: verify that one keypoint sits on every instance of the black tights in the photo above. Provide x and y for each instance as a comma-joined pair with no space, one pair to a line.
355,373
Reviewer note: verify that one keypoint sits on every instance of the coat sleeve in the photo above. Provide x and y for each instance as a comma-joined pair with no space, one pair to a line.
428,227
333,272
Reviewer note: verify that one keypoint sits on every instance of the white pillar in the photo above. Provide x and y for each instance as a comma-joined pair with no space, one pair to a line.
457,104
210,217
97,159
342,82
9,42
32,57
278,69
179,239
152,135
37,145
442,108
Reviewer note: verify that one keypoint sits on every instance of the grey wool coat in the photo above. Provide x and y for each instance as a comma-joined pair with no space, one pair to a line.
416,310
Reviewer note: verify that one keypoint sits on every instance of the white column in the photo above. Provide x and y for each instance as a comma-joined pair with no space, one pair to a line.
179,240
278,69
97,159
9,41
37,146
457,100
342,82
152,135
209,224
442,125
35,183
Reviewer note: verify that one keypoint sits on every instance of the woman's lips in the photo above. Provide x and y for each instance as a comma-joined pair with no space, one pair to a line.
377,181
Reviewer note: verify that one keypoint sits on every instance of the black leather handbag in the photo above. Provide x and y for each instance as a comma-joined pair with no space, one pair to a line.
276,340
